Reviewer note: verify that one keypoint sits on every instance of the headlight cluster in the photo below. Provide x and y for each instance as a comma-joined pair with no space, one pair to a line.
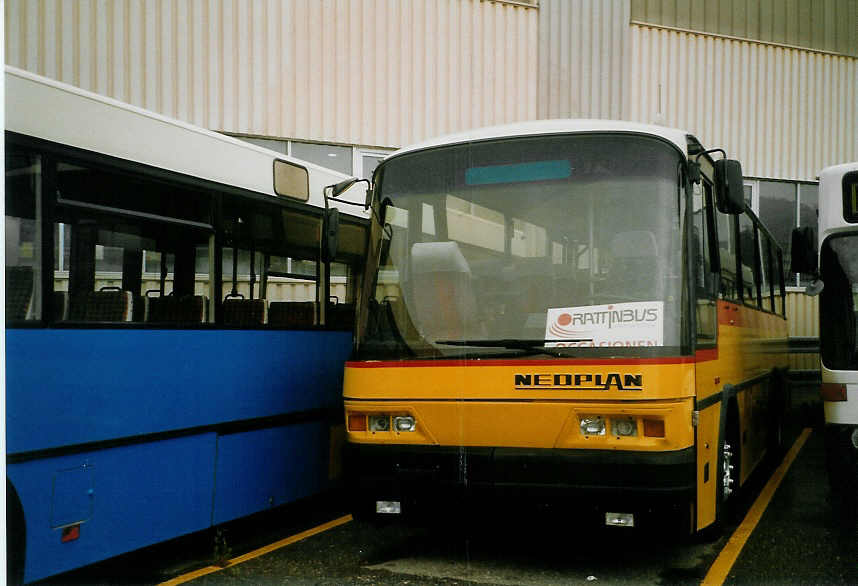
381,422
620,426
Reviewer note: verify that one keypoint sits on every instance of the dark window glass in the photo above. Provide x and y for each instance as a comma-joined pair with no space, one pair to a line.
808,213
706,312
730,281
850,197
137,249
778,211
346,273
748,255
120,191
839,271
23,236
270,272
510,239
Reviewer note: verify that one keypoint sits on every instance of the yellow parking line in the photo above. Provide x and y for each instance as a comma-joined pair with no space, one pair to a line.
719,570
258,552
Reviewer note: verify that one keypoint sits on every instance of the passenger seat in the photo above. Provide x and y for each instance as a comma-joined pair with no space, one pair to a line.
244,312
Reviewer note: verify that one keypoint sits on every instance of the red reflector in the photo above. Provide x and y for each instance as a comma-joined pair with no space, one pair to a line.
653,428
70,533
357,422
833,392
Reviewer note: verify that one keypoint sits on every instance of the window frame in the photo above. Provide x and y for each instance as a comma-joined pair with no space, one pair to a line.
51,153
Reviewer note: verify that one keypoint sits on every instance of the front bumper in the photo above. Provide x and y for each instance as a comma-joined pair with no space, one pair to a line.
424,478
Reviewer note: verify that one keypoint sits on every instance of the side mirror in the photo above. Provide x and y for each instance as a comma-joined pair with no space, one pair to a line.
338,188
803,258
803,251
331,234
729,187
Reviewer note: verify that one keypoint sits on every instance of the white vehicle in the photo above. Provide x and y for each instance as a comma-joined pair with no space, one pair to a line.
837,281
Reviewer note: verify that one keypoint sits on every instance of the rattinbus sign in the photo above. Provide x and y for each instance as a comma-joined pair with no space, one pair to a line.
619,324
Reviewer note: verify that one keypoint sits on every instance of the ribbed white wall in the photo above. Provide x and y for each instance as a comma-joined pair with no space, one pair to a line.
785,113
372,72
584,58
803,321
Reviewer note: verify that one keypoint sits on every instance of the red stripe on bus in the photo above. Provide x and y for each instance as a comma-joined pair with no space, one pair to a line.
706,355
562,362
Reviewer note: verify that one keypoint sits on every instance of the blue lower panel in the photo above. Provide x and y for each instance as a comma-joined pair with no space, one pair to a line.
126,498
260,469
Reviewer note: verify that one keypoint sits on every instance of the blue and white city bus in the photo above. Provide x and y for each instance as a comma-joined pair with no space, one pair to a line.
175,337
836,272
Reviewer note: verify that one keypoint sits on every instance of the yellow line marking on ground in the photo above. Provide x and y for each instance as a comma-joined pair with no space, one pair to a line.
257,552
722,565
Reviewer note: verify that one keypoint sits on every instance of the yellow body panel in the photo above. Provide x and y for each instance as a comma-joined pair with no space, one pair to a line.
539,403
536,424
526,380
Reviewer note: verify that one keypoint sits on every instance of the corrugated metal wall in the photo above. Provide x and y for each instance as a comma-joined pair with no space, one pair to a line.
371,72
785,113
584,57
828,25
803,321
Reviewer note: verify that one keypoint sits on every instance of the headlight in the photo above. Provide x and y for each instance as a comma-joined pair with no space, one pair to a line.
592,425
624,427
379,423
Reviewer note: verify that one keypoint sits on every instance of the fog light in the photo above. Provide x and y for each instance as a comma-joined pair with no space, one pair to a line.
855,438
624,427
620,519
404,423
379,423
592,425
388,507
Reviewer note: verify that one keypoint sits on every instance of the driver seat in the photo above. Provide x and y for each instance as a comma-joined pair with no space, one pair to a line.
636,269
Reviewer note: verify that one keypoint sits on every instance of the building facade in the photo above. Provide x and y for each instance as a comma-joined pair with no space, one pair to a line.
343,82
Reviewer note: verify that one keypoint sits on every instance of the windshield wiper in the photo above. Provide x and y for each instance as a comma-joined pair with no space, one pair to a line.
534,346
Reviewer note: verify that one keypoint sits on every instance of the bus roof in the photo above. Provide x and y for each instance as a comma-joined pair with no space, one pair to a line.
546,127
54,111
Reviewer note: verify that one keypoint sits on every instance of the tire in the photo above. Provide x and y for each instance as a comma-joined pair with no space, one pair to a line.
779,404
841,458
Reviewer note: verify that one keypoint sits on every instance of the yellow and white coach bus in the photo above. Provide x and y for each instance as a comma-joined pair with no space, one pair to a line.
838,332
578,311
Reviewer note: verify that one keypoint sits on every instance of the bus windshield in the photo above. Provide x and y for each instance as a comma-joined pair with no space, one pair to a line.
553,245
838,342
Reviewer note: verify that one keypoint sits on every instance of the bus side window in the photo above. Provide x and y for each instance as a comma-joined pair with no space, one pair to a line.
701,237
767,278
727,248
270,271
129,249
23,236
346,271
749,259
